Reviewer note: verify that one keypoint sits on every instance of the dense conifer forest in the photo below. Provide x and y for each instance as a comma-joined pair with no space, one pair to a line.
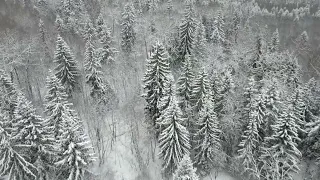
159,89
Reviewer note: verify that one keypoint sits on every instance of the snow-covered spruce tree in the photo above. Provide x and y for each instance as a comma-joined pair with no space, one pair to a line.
127,32
169,96
43,38
299,108
218,35
107,52
222,84
57,107
67,70
75,153
174,137
185,170
199,43
74,15
154,80
169,92
253,116
28,133
14,165
42,32
208,150
93,70
257,63
200,89
89,31
281,155
302,43
58,23
236,20
8,95
272,103
184,90
100,25
187,31
275,42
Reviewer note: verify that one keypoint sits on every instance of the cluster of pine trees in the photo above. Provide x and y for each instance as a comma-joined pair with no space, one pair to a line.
212,101
263,132
33,147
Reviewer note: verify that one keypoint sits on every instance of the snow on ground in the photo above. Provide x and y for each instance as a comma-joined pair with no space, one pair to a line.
220,176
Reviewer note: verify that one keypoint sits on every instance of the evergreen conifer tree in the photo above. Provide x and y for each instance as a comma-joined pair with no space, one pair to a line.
67,70
187,31
302,43
254,112
299,108
107,51
92,68
128,34
13,164
218,34
57,107
281,155
8,95
100,25
76,153
275,42
184,90
154,81
257,62
199,46
185,170
208,150
43,38
174,137
29,132
200,89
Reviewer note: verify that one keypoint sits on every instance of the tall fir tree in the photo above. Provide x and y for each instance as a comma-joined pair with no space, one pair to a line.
107,52
200,89
76,153
302,43
257,63
67,71
127,32
184,90
185,170
208,150
74,16
218,34
100,25
199,44
236,20
43,38
13,164
187,31
28,132
154,80
8,95
281,155
57,107
174,137
299,108
93,69
254,112
275,42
